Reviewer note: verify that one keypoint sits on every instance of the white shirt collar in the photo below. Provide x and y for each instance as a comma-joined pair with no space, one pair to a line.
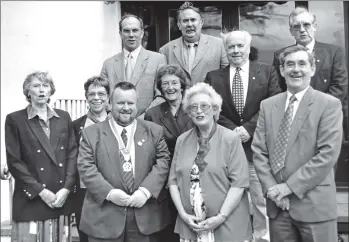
119,128
310,46
245,67
135,52
299,95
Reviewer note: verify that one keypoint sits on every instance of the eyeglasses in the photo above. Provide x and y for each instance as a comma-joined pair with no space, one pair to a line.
297,27
203,107
165,85
91,95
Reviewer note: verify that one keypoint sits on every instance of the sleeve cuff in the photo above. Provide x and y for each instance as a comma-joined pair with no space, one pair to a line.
146,192
108,196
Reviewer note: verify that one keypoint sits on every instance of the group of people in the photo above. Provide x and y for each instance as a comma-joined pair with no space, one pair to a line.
197,143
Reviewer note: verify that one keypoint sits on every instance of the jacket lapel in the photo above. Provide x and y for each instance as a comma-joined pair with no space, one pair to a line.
182,120
301,115
112,147
140,142
168,120
177,51
319,59
42,138
202,49
225,75
119,66
55,135
141,63
253,85
278,113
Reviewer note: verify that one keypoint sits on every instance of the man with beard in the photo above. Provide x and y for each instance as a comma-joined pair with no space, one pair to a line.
135,64
295,146
124,164
243,85
195,52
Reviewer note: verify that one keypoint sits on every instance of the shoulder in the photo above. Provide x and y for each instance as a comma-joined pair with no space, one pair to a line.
186,135
321,97
227,135
212,39
274,99
150,126
62,114
170,44
218,71
110,59
17,114
80,120
260,65
153,110
326,46
154,55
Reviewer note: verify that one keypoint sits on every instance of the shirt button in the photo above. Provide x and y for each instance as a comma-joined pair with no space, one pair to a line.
24,190
44,185
41,169
61,182
62,148
325,80
38,151
60,165
29,195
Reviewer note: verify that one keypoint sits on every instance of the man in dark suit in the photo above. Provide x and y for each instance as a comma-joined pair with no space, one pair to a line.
134,63
243,85
331,74
97,93
195,52
124,164
295,146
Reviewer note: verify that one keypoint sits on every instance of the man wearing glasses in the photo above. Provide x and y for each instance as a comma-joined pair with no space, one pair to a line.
134,63
331,74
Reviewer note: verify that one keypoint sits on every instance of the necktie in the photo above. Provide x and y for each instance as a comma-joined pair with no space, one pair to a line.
277,160
126,166
238,91
191,56
128,70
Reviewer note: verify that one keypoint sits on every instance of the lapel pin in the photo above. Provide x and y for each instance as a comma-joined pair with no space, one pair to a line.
325,80
317,60
253,78
139,143
143,140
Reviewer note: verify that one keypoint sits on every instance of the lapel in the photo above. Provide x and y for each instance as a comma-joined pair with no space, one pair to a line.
140,142
202,49
55,135
41,136
253,84
141,63
319,59
112,147
301,115
225,75
119,66
182,120
167,119
278,113
177,51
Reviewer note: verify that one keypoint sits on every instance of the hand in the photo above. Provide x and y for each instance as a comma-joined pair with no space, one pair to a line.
211,224
48,197
284,190
4,174
244,135
138,199
273,192
61,196
118,197
284,203
192,221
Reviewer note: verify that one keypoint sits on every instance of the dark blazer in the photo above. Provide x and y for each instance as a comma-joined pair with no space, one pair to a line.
162,116
78,126
100,170
262,84
313,148
331,74
37,162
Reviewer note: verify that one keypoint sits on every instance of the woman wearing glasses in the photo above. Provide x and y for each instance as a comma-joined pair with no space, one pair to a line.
97,96
172,82
209,175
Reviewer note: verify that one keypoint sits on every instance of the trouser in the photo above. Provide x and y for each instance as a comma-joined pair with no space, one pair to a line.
78,202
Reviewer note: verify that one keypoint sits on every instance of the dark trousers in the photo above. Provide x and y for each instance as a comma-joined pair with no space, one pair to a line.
78,202
286,229
168,234
131,232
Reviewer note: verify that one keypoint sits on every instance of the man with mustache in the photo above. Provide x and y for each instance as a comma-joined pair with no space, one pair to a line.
295,147
331,74
243,85
195,52
124,164
134,63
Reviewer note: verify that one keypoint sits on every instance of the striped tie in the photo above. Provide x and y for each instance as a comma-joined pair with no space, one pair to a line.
128,174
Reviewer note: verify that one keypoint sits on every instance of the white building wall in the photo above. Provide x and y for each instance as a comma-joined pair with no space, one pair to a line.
70,39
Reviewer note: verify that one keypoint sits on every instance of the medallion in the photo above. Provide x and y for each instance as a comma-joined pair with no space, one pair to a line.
127,166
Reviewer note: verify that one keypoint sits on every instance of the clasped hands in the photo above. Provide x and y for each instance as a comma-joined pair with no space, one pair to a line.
54,200
278,194
119,197
244,135
199,225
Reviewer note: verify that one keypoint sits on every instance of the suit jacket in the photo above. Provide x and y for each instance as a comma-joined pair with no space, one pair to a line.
100,169
37,162
262,84
313,148
210,56
331,74
172,129
143,75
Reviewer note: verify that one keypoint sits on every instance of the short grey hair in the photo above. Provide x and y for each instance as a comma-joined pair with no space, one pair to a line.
248,36
297,11
41,76
203,88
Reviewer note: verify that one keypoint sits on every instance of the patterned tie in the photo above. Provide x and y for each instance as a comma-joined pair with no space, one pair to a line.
191,56
238,91
277,159
128,70
127,175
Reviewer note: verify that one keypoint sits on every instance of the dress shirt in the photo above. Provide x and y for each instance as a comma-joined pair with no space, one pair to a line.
134,53
244,73
117,129
299,96
310,46
45,124
186,51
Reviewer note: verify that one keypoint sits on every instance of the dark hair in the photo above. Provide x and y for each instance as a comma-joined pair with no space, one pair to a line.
129,15
293,49
123,86
171,70
97,81
188,5
41,76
